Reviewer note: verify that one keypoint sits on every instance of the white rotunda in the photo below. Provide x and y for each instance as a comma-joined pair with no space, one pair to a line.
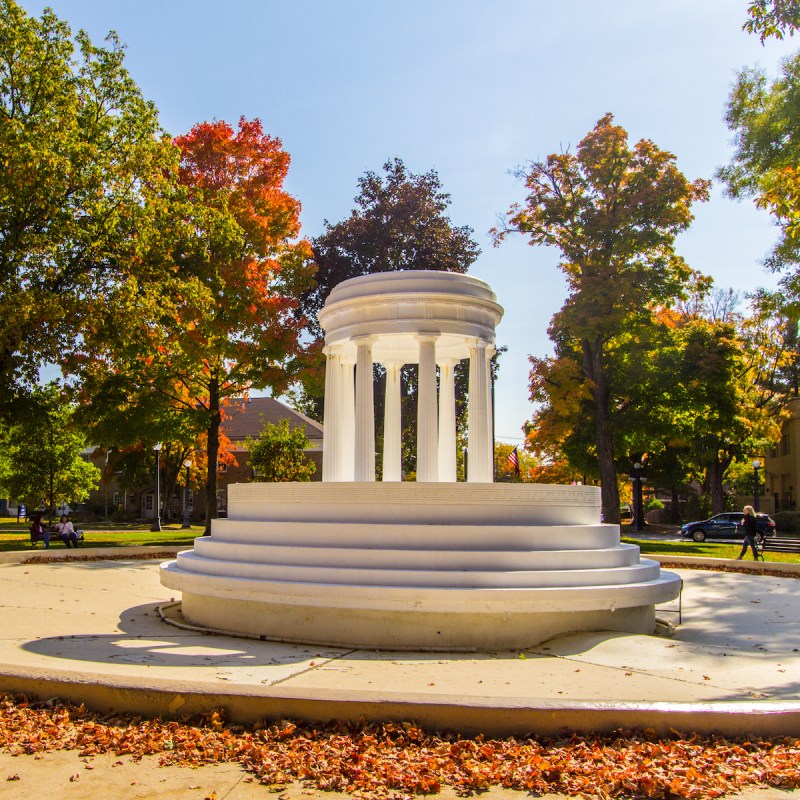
432,564
433,319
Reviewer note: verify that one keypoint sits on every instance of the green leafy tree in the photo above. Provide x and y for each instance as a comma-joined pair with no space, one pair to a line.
278,454
725,408
763,118
773,18
80,154
45,465
613,212
399,223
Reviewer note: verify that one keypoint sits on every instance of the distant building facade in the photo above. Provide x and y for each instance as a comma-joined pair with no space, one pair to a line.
242,421
782,463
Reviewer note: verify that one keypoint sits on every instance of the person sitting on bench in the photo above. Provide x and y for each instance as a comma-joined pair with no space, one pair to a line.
39,531
66,532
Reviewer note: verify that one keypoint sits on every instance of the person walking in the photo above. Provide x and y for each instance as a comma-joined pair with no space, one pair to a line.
750,531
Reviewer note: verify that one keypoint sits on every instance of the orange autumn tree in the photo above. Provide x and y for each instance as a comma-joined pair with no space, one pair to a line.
219,320
612,211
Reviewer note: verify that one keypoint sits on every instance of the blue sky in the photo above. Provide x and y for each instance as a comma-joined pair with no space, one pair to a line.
472,89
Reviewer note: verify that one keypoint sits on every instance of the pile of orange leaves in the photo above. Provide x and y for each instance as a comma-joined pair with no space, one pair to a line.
401,759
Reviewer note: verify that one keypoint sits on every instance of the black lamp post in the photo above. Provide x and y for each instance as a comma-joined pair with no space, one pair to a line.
756,467
157,519
186,523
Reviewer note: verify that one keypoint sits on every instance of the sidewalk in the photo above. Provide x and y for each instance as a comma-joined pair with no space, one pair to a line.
102,777
90,632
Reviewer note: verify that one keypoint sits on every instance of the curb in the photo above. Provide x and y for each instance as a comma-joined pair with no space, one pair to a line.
510,716
731,564
65,554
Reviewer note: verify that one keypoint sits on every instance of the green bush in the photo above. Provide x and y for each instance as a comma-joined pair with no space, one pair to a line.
787,522
123,515
653,503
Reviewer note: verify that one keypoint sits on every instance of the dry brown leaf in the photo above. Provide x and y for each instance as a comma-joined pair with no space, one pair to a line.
400,760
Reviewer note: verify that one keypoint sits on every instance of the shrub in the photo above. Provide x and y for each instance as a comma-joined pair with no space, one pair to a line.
787,521
123,515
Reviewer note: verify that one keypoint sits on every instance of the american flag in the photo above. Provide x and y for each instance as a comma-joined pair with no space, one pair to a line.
513,459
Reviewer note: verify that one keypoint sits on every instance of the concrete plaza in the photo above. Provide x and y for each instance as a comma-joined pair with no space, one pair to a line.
90,631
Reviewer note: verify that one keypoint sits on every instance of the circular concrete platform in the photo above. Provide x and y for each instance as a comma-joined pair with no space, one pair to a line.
90,632
416,566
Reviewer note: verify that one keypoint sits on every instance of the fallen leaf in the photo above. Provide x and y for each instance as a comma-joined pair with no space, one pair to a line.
14,777
75,778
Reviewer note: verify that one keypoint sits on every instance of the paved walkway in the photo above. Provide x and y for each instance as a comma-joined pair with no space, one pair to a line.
102,777
91,632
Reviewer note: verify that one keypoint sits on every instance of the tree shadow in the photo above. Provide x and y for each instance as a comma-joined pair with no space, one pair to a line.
144,639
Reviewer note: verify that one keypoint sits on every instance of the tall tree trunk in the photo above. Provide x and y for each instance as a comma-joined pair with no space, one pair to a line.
594,370
215,418
170,482
675,511
715,488
714,474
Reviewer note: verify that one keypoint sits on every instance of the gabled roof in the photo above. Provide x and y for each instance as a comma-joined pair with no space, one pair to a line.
243,419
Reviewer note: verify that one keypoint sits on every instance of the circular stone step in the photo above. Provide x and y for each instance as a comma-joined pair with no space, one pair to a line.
416,566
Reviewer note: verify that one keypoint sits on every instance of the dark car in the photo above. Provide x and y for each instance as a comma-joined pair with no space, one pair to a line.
725,526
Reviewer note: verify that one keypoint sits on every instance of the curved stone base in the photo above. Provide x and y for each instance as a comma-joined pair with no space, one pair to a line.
405,630
416,566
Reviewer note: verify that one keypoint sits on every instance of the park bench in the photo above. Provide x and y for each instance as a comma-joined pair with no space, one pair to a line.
54,537
779,544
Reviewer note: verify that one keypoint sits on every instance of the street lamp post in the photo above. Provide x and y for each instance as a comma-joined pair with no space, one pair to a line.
186,523
157,519
756,467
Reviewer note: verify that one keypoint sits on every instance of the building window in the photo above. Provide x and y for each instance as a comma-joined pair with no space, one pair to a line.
222,500
117,501
785,449
148,502
221,467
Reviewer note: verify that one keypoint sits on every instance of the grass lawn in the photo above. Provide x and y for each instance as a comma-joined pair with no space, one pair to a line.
14,536
703,550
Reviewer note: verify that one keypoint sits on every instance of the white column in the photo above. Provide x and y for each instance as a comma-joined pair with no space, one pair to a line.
365,413
447,421
392,456
490,351
479,466
331,417
347,423
427,424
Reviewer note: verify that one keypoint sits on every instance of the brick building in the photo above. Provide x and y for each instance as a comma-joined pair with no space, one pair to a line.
241,422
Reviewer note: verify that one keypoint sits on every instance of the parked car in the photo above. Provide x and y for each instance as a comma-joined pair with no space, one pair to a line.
725,526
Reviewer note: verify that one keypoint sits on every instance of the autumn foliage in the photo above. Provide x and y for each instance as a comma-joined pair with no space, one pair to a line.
401,760
216,317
